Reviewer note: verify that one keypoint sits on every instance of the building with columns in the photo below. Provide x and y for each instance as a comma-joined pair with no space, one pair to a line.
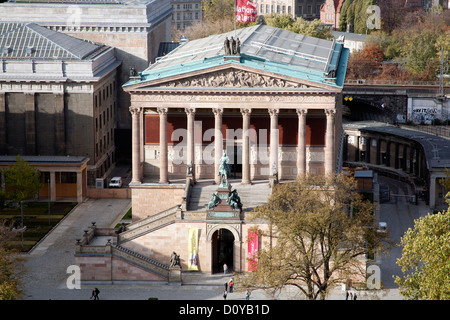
274,108
268,98
57,96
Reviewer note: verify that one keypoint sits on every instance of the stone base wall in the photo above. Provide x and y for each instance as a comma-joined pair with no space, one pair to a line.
147,200
108,268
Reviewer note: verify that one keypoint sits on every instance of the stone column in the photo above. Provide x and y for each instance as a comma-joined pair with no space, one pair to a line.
274,135
163,154
30,123
135,144
246,145
218,141
79,186
60,128
329,142
190,160
52,186
2,123
301,144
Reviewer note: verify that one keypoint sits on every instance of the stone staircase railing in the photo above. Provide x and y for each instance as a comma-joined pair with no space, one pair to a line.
141,261
148,224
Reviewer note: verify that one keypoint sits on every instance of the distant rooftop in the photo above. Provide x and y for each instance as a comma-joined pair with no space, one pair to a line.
272,49
436,149
31,41
46,159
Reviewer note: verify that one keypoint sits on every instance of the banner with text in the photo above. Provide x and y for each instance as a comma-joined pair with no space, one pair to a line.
252,250
193,249
245,11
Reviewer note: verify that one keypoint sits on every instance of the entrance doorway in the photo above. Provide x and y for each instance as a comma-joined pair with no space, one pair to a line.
222,250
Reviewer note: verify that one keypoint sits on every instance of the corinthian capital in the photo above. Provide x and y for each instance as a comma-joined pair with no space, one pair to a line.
217,112
246,112
190,111
162,111
135,111
302,112
274,112
330,113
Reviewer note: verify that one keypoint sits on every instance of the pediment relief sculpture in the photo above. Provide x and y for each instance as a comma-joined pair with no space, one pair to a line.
233,79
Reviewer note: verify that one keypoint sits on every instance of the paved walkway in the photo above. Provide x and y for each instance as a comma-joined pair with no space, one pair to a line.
47,266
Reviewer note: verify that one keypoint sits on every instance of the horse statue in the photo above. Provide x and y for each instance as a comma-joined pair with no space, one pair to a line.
224,169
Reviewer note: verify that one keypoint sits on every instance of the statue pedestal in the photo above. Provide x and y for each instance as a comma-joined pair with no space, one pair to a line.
175,275
223,211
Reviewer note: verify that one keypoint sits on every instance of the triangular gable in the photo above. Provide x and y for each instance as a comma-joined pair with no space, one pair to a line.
230,77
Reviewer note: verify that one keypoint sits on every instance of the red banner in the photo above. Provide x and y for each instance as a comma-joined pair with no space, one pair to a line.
245,11
252,250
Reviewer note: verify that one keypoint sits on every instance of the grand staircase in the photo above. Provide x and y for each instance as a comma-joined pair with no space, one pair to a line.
199,196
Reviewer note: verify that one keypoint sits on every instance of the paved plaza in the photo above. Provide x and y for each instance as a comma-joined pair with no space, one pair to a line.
48,263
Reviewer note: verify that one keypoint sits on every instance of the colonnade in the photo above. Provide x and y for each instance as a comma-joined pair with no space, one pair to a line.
136,113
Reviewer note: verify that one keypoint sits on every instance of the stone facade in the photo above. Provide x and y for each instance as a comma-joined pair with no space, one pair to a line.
134,28
56,102
183,108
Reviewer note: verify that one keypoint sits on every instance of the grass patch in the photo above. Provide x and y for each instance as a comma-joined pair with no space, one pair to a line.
37,219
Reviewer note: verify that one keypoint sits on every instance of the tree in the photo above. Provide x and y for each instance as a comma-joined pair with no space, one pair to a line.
425,259
366,64
319,228
22,181
11,266
218,9
299,25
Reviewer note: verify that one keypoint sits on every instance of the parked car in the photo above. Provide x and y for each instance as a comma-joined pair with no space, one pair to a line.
115,182
382,227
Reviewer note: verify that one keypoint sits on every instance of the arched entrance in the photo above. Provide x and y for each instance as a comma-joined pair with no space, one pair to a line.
222,250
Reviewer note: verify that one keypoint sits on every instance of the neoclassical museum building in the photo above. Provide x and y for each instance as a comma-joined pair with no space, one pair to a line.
268,98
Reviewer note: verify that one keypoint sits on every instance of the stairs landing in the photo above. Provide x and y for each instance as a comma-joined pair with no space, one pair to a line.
252,196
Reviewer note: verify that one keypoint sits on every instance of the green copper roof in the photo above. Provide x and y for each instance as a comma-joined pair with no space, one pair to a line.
262,47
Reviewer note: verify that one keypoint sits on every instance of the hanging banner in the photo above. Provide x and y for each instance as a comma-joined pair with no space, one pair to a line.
252,250
245,11
193,249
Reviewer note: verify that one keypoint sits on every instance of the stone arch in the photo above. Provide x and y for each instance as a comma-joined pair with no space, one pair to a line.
236,233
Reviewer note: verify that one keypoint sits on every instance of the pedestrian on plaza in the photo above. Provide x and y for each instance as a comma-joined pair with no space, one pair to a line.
230,284
354,296
225,268
225,295
346,295
247,297
95,293
226,286
351,296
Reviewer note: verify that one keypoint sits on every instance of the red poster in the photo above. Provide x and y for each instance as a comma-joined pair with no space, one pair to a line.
245,11
252,250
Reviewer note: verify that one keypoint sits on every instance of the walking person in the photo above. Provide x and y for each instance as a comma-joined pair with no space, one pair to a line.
247,297
226,286
225,295
230,284
95,293
225,268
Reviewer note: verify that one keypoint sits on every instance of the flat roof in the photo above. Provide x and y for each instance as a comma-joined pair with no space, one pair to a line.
46,159
436,148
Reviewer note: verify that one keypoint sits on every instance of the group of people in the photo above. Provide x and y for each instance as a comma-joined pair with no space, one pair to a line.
229,287
349,295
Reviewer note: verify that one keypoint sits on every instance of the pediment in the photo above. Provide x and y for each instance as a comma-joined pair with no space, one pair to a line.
233,78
